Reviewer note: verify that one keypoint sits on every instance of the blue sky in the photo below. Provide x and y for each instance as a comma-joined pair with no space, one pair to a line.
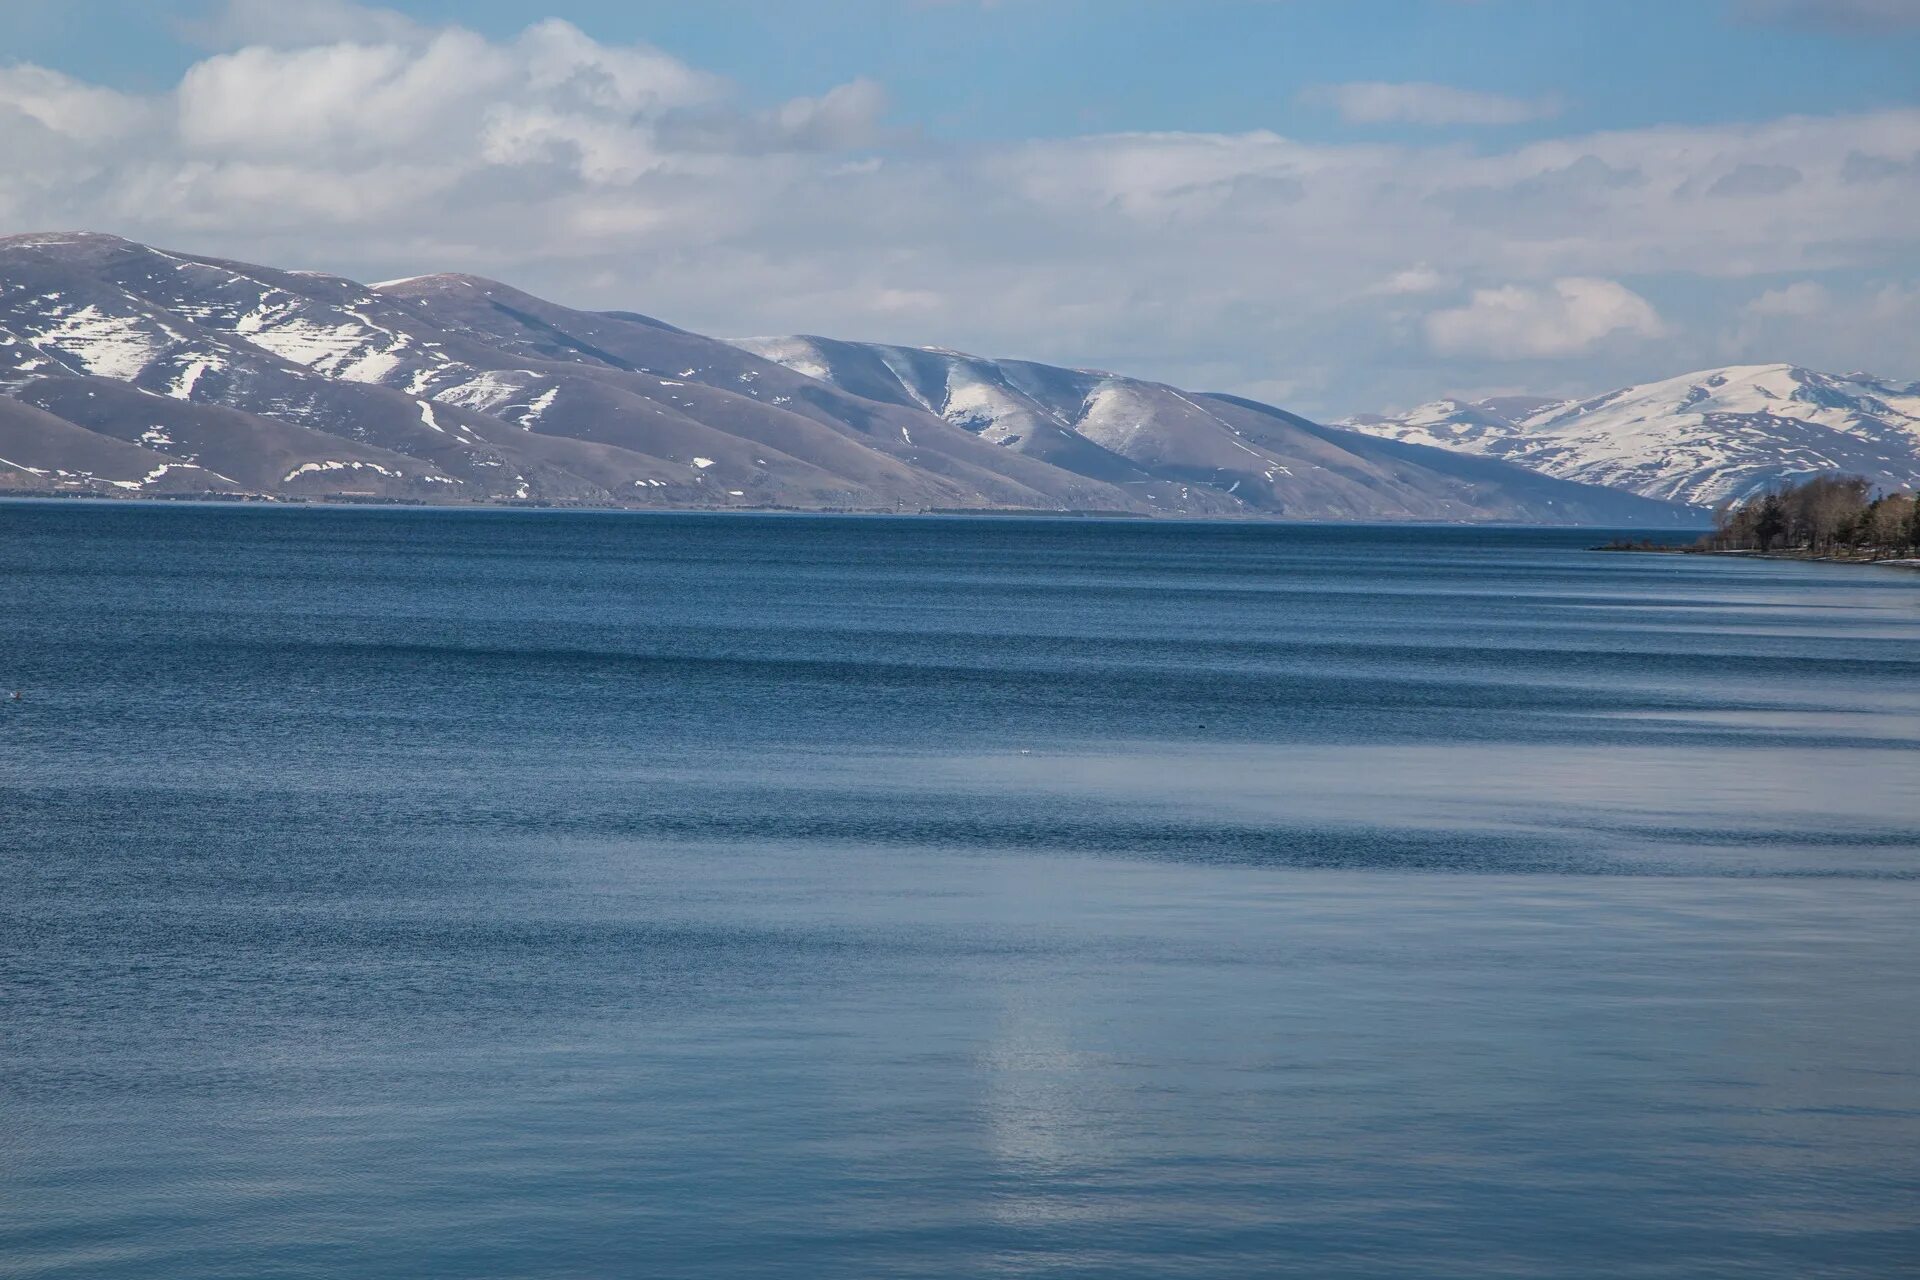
1368,202
1024,68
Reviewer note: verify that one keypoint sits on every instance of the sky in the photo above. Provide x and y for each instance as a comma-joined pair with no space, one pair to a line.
1334,205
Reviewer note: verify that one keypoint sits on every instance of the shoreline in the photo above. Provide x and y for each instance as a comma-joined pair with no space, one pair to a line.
367,501
1808,557
1910,562
360,503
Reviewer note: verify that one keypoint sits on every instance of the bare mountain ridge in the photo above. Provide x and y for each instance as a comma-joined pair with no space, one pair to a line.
128,369
1137,434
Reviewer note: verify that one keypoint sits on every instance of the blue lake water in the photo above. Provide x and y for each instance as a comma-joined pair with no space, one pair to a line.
532,894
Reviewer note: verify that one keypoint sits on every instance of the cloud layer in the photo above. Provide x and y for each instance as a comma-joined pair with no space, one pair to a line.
1354,275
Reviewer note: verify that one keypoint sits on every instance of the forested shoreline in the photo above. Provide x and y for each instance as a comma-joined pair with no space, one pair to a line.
1831,515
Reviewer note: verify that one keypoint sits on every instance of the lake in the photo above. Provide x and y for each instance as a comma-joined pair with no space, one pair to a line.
555,894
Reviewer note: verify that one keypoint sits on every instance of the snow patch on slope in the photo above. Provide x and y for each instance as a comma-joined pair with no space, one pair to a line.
106,346
312,468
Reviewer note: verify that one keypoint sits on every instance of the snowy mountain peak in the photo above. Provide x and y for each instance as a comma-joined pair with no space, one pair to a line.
1701,437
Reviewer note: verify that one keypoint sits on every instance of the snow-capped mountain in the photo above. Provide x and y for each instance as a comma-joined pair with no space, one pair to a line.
1170,445
128,369
1700,438
248,378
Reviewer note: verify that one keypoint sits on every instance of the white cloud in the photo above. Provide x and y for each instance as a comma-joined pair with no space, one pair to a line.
1756,180
844,117
577,72
338,99
1413,280
1802,298
60,105
1864,326
1382,102
1566,318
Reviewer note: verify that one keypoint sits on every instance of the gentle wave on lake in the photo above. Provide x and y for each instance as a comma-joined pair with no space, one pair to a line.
482,893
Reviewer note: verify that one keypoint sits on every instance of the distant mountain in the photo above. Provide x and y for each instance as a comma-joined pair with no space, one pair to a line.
126,369
1171,446
1699,438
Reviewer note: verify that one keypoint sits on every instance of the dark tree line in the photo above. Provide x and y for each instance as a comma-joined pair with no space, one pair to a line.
1823,515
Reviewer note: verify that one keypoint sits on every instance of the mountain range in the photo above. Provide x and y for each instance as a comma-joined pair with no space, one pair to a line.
126,369
129,370
1701,438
